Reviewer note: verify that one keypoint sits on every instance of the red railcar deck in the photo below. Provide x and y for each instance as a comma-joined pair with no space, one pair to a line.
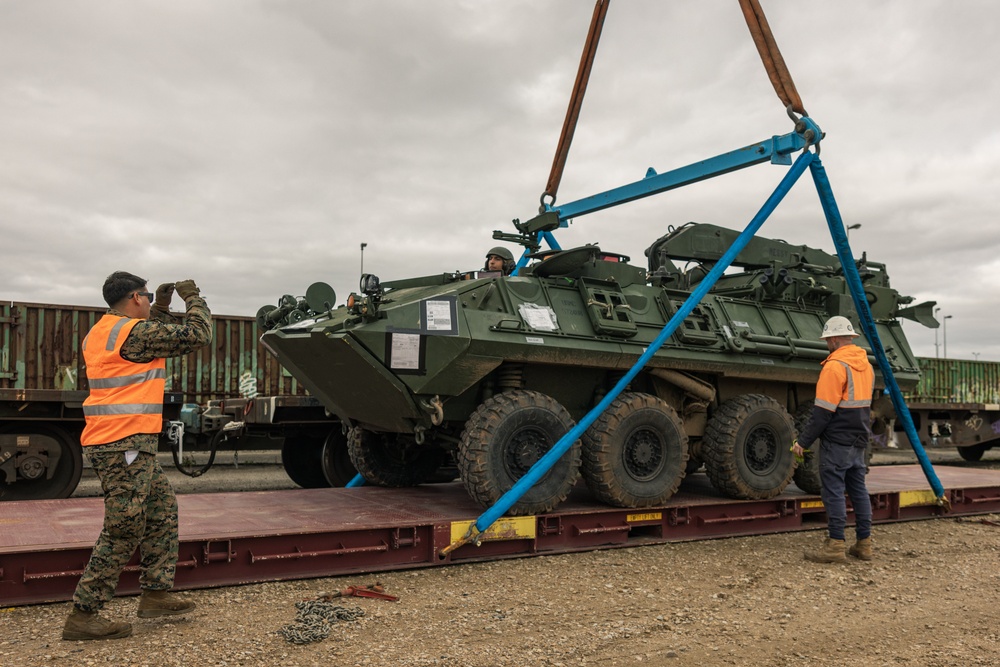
239,538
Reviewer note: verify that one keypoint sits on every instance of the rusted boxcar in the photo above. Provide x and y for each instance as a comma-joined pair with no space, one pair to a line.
43,384
957,404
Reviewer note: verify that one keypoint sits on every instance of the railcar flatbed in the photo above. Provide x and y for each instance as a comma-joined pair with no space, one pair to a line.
238,538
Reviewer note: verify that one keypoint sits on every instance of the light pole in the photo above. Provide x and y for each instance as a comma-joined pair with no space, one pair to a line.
945,335
856,225
976,355
936,354
363,245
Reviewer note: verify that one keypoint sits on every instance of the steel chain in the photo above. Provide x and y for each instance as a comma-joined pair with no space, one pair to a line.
314,618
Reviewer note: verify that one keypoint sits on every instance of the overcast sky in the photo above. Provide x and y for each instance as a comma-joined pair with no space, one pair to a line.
253,145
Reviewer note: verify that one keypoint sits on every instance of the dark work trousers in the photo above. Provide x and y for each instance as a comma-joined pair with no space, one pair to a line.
842,470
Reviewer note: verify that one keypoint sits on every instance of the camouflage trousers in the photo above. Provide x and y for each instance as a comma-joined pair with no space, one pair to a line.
140,511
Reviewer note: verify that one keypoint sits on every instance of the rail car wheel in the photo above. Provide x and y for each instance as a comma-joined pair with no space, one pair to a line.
806,475
634,455
302,458
746,447
49,450
504,437
392,459
972,453
337,467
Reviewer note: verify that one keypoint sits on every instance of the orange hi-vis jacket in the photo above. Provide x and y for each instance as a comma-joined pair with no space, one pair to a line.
846,381
126,398
842,412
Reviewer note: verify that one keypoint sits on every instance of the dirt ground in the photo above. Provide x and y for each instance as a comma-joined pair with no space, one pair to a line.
929,598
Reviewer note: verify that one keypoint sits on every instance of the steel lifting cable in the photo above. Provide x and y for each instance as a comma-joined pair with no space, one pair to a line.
777,71
575,102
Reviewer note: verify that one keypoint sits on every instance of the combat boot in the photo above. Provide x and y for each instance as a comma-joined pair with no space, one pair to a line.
162,603
83,625
862,549
832,552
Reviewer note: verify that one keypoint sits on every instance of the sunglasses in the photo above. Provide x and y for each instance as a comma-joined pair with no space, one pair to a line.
148,295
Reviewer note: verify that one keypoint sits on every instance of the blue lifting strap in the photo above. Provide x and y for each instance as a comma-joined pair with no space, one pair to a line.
487,518
836,225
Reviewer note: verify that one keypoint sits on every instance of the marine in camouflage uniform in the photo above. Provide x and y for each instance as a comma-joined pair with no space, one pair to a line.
140,508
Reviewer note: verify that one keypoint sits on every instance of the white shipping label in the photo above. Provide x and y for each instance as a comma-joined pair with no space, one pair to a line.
438,315
540,318
405,351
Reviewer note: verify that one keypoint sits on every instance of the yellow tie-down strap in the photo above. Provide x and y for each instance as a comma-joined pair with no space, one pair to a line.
505,528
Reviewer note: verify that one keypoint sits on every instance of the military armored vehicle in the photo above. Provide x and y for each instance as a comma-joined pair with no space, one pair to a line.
492,370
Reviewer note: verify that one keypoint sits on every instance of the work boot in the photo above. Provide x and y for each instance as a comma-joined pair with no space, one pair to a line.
82,625
832,552
862,549
162,603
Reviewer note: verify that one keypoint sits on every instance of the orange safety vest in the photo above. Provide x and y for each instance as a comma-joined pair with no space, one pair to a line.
126,398
841,387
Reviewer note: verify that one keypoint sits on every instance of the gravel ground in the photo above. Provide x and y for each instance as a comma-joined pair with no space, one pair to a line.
929,599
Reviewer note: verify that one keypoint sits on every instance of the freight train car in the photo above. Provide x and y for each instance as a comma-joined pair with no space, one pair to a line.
43,384
956,403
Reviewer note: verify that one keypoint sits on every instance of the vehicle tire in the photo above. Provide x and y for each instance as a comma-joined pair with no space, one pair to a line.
392,459
746,448
806,475
504,437
302,458
68,469
337,467
972,453
634,455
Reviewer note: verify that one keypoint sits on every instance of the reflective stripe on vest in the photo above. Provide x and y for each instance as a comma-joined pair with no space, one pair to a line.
851,401
126,398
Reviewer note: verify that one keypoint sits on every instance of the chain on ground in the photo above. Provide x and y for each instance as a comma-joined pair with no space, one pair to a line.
314,618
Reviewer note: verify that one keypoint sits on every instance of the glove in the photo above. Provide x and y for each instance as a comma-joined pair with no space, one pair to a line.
164,293
186,288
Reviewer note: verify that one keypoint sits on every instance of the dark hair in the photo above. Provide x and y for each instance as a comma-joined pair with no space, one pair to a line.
119,285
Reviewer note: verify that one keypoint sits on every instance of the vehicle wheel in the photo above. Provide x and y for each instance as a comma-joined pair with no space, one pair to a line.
56,444
337,467
392,459
504,437
972,453
634,455
302,457
746,448
806,475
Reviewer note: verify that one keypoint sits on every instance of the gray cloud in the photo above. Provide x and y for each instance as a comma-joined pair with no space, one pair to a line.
254,145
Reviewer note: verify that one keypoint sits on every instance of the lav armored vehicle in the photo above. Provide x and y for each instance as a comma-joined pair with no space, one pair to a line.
490,370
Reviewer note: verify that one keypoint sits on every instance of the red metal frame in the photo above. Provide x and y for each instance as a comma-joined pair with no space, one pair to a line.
238,538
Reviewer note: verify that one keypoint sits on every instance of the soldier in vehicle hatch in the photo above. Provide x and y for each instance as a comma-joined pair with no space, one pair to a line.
499,259
124,353
840,421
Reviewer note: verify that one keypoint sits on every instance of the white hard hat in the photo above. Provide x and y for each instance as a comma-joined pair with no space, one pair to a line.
838,326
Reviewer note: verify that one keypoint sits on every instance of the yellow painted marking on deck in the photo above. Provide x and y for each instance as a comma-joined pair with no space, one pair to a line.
810,504
915,498
647,516
506,528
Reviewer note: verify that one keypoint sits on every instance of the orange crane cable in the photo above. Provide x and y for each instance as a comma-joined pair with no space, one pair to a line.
576,100
777,71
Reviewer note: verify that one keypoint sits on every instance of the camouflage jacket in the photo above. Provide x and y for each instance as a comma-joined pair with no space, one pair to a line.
162,335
